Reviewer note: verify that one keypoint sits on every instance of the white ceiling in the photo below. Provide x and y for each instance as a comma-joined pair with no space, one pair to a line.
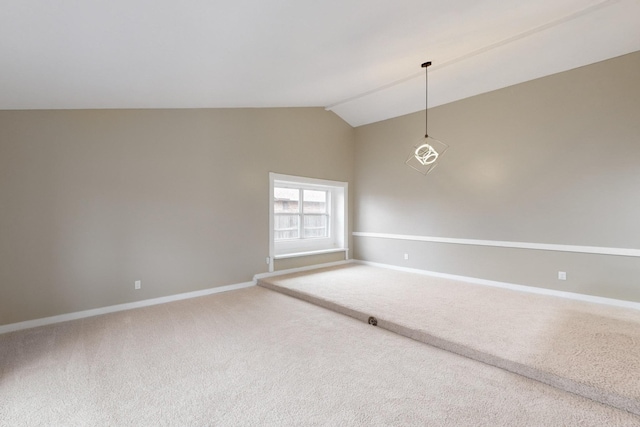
358,58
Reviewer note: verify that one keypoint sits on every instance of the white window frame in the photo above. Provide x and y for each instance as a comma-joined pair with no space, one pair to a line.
338,219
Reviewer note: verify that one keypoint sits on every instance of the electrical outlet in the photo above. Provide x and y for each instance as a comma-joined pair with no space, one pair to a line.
562,275
406,256
137,284
268,260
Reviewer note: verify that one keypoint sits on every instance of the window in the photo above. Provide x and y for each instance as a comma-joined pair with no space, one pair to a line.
300,213
306,216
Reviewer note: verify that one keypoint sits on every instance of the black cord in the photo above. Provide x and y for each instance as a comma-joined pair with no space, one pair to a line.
426,98
426,101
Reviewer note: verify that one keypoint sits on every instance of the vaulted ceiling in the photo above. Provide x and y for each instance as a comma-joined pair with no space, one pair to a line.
358,58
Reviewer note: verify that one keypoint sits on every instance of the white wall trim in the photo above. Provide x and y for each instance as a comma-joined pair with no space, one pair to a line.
503,244
300,269
120,307
512,286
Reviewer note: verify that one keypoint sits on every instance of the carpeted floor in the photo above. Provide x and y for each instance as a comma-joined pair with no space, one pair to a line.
589,349
257,357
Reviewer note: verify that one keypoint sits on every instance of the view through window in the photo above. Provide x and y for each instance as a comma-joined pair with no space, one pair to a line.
300,213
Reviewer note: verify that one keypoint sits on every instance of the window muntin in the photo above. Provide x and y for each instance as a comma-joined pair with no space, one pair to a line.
300,213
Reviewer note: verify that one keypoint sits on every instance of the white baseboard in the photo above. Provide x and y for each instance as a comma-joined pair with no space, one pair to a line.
300,269
512,286
120,307
154,301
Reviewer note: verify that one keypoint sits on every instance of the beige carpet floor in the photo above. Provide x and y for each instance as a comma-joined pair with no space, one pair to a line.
585,348
257,357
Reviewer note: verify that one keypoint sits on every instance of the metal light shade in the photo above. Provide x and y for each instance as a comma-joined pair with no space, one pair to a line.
425,154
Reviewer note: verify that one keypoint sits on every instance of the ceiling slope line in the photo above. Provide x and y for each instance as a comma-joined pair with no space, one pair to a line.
503,42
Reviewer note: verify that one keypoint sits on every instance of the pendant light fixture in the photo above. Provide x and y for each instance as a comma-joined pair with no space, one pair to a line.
427,151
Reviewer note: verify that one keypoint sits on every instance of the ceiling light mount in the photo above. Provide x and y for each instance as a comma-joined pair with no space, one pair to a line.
425,154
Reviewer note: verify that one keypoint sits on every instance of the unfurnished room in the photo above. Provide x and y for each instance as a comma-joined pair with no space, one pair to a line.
296,213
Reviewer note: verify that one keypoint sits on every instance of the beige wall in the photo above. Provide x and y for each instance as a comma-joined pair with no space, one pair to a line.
93,200
555,160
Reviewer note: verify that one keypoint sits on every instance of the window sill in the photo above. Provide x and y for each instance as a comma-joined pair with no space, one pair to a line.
308,253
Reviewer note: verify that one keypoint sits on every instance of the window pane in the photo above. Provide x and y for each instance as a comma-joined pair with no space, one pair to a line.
286,200
315,201
315,226
286,227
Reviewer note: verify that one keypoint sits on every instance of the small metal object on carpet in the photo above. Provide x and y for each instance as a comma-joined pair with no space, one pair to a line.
373,321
